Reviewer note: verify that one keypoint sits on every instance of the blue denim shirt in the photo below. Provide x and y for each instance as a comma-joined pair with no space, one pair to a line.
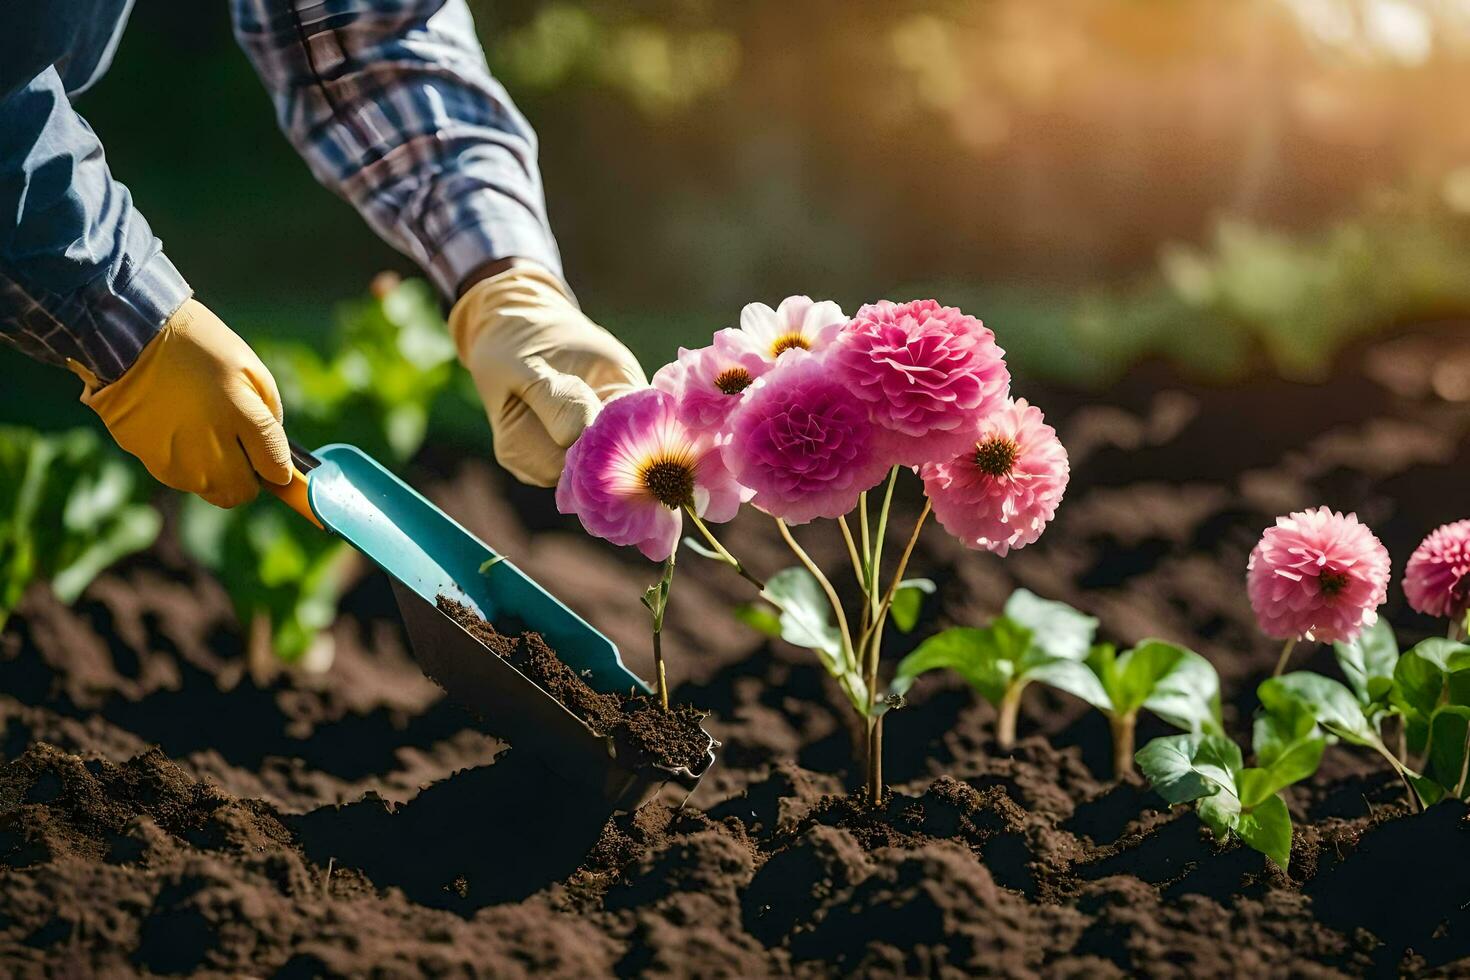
390,103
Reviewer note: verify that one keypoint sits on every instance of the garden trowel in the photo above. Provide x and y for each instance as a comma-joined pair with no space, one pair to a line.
427,554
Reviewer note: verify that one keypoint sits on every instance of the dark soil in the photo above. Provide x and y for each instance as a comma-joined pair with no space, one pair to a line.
162,813
670,738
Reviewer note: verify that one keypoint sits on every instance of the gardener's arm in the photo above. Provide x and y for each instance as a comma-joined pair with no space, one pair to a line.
85,284
392,106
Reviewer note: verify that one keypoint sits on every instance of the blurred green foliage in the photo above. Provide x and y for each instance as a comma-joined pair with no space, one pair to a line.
70,505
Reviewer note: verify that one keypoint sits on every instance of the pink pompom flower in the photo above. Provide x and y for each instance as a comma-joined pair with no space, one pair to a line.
926,371
802,443
1000,491
1437,579
797,324
1317,575
633,470
709,382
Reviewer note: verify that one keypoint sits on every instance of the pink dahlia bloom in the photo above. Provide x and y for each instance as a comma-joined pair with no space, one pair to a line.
633,470
709,382
803,443
1000,491
797,324
927,371
1437,579
1317,575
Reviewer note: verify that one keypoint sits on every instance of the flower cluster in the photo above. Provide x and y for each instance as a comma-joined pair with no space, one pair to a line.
1321,575
802,409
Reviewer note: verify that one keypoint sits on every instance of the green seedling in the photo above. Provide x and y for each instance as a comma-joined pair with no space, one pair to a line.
1039,640
1174,683
1033,640
70,506
1231,798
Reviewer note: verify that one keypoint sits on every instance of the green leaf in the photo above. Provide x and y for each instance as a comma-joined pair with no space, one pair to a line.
1266,827
908,601
987,658
1056,627
1067,675
700,549
1332,705
1183,768
1288,745
1368,662
759,618
1421,682
1188,695
132,529
805,618
1139,670
1449,726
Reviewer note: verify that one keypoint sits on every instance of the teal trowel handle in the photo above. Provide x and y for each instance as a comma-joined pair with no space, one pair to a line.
294,494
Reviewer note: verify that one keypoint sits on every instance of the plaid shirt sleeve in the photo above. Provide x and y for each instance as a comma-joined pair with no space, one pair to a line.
82,276
392,106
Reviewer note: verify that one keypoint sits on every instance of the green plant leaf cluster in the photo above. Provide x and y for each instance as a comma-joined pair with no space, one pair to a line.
391,362
1034,639
70,505
1044,641
1231,798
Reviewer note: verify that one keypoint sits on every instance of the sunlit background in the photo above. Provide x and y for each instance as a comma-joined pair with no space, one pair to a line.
1240,186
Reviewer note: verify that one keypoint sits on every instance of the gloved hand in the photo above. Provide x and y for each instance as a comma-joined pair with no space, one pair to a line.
542,368
199,409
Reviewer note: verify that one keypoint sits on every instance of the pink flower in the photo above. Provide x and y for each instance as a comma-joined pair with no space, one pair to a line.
803,443
1317,575
709,382
1437,579
633,470
797,324
927,371
1003,488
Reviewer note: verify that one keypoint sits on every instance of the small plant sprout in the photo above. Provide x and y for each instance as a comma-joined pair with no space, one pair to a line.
802,412
1047,642
1316,575
1232,799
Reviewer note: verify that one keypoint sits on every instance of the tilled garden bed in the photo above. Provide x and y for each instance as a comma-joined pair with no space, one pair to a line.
163,812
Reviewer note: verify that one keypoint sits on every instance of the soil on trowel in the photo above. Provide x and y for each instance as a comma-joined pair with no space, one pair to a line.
671,738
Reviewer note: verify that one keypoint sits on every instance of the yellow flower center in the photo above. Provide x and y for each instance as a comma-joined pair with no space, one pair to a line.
787,341
995,457
670,479
732,381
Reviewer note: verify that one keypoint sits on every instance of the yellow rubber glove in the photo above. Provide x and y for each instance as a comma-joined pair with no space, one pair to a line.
542,368
199,409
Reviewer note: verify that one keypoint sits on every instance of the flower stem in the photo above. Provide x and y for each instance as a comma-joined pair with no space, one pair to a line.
826,585
724,554
1454,631
1285,655
875,565
875,760
859,568
657,601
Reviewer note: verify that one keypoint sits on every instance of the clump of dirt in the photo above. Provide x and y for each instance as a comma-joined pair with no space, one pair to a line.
673,738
